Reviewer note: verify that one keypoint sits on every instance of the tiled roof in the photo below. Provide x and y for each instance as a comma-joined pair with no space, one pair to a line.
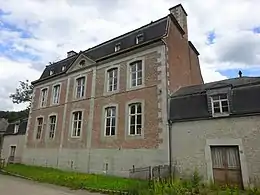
21,129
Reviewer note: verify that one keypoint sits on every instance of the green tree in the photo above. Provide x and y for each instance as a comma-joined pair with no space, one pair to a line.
23,93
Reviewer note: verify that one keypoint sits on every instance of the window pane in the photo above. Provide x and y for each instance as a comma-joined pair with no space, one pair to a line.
224,109
139,81
224,103
107,122
216,104
113,122
133,68
215,97
216,110
109,112
78,132
79,124
134,76
139,108
107,131
79,115
139,119
132,130
139,66
132,109
139,74
139,129
113,130
132,120
113,109
134,83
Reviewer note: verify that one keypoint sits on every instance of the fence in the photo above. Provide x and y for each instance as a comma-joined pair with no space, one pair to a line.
151,172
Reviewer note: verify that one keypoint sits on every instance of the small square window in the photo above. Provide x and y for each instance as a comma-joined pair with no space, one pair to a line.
219,104
117,47
139,38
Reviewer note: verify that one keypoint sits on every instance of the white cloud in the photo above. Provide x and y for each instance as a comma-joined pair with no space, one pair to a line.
59,26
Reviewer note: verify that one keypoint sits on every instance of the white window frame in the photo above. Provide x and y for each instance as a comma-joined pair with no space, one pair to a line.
52,131
82,87
43,97
16,128
56,100
136,114
51,72
136,71
37,128
110,117
115,77
117,47
220,104
137,41
77,122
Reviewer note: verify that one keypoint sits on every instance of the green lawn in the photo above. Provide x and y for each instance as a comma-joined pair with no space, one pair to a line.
75,180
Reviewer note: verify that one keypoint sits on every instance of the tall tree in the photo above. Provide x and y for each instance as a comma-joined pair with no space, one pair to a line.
23,93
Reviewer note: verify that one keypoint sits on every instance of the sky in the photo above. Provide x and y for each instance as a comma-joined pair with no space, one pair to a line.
34,33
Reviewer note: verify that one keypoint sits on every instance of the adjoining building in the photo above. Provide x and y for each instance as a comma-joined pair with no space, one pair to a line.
216,129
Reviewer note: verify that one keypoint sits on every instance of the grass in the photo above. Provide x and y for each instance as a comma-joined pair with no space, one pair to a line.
172,186
75,180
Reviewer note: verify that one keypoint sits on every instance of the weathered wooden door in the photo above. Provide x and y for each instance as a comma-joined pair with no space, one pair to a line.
226,165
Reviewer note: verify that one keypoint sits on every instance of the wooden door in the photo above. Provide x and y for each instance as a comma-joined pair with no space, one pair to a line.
12,154
226,165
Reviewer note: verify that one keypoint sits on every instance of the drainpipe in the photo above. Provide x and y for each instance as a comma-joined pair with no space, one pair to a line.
170,144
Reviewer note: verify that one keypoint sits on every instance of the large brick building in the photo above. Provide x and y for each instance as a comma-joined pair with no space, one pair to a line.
105,109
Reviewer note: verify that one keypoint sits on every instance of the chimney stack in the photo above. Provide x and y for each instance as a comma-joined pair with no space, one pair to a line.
71,53
181,16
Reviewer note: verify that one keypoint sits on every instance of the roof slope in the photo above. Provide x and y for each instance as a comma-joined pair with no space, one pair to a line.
152,31
21,129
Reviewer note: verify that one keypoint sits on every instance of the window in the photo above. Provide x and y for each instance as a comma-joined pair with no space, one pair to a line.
52,126
135,119
82,62
39,128
110,121
51,72
117,47
44,97
139,38
136,74
112,76
76,123
80,87
56,94
63,68
219,104
12,151
16,128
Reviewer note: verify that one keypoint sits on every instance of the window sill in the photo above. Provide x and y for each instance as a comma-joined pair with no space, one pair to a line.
135,136
135,88
107,93
220,115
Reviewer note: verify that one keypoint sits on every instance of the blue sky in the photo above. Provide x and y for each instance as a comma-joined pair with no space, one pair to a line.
228,39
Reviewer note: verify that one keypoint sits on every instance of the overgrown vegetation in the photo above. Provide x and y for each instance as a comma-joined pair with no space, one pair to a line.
172,186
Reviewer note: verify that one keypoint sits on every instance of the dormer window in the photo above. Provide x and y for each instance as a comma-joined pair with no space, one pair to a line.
117,47
51,72
63,68
219,104
139,38
16,128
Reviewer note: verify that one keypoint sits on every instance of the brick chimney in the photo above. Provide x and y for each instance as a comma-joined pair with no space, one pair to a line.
181,16
71,53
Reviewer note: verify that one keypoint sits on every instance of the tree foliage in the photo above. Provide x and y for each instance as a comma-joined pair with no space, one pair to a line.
23,93
13,116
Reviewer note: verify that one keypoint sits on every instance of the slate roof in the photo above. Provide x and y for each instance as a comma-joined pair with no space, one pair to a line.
153,31
193,103
21,130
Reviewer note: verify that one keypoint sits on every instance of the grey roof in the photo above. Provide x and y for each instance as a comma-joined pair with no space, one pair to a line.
193,103
233,82
21,129
152,31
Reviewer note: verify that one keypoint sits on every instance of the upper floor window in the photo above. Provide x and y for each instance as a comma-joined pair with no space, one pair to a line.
39,128
56,94
44,97
139,38
16,128
117,47
136,73
52,126
51,72
76,124
110,121
219,104
63,68
80,87
112,79
135,119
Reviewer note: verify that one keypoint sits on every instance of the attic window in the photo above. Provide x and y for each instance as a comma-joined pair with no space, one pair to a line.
82,62
16,127
139,38
219,104
117,47
51,72
63,68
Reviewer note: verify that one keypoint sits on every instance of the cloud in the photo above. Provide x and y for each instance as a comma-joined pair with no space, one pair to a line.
34,32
